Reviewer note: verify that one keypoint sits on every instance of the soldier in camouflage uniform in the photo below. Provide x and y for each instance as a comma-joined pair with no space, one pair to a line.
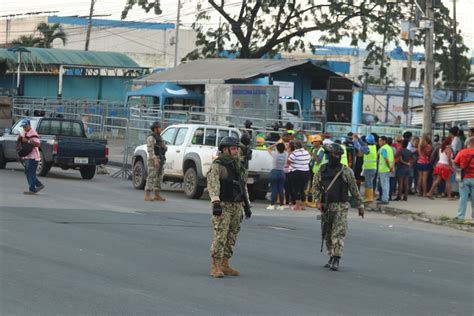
333,201
226,185
156,149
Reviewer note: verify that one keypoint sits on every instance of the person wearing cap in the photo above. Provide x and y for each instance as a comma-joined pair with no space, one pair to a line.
369,151
386,166
318,158
156,149
331,188
260,142
317,153
30,136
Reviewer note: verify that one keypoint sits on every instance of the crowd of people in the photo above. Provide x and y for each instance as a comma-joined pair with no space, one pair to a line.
390,168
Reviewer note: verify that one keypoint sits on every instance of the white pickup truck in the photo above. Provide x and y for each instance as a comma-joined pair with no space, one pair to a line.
189,158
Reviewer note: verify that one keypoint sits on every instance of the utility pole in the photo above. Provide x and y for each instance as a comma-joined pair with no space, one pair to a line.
406,92
177,34
455,58
89,25
429,70
383,72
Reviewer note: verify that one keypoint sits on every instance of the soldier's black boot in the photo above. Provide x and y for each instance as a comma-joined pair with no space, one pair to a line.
335,264
328,265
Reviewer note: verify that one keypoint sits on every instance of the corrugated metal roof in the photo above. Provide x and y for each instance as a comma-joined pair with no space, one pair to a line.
110,23
219,70
53,56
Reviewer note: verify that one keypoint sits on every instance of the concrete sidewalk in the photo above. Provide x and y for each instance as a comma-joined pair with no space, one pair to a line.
438,211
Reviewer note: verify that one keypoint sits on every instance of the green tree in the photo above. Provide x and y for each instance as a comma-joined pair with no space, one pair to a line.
446,49
49,33
25,41
144,4
450,53
265,27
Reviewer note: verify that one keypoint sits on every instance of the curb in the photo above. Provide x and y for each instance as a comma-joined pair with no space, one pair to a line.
463,225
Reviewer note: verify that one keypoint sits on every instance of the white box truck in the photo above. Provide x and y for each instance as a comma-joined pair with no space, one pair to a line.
261,104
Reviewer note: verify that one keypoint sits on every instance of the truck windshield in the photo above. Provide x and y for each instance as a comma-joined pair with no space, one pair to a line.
293,108
60,127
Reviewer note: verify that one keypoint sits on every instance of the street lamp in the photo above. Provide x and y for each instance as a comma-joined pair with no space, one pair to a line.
18,50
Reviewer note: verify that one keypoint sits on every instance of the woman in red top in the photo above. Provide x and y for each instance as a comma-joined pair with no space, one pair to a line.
424,166
443,168
465,161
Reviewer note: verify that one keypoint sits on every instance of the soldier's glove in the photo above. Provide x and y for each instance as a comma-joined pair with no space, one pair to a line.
248,212
216,209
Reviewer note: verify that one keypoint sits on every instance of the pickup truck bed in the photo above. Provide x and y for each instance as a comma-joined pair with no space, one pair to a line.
63,144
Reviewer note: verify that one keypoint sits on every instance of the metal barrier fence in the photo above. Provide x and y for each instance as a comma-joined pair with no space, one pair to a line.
130,124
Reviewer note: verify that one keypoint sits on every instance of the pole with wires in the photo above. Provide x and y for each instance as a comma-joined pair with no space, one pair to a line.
177,34
89,25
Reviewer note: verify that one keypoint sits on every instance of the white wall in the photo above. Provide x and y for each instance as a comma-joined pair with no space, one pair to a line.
148,47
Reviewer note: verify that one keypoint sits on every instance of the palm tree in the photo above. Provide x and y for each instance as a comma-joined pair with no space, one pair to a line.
48,33
25,41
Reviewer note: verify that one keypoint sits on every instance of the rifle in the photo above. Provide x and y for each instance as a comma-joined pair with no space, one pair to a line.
324,221
243,194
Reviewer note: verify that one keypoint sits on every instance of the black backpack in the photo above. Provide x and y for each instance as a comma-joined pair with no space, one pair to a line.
24,149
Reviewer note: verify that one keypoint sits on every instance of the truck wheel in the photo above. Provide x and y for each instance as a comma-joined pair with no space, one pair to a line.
139,175
87,172
3,161
256,193
43,167
190,183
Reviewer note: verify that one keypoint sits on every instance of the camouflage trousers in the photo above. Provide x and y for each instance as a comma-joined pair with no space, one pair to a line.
226,228
154,178
336,220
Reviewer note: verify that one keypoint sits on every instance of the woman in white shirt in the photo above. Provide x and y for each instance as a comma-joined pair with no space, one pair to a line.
298,161
277,175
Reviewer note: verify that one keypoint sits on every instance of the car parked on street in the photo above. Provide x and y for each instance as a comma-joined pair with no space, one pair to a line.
64,144
189,157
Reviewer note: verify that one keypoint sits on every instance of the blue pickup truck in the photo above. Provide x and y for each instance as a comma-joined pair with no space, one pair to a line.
64,144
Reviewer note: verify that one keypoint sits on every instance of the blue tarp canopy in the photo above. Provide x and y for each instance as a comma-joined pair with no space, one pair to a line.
166,90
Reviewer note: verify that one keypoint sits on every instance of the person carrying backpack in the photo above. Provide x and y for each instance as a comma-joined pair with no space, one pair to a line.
29,142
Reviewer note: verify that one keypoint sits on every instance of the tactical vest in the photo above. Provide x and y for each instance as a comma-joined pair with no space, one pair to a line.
158,148
339,191
370,159
344,159
230,189
382,164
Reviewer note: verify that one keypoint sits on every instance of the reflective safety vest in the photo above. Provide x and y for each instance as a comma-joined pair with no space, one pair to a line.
382,164
344,160
291,131
370,159
261,147
314,163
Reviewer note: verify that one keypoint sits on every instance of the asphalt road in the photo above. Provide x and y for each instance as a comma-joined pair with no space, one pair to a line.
96,248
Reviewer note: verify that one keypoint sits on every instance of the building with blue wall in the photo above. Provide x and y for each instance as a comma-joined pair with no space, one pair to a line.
68,73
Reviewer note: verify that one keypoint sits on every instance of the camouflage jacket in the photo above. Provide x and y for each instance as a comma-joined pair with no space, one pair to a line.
216,172
348,176
150,147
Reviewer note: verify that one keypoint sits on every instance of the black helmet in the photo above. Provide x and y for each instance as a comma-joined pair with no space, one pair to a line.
248,123
155,125
228,141
335,149
245,139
